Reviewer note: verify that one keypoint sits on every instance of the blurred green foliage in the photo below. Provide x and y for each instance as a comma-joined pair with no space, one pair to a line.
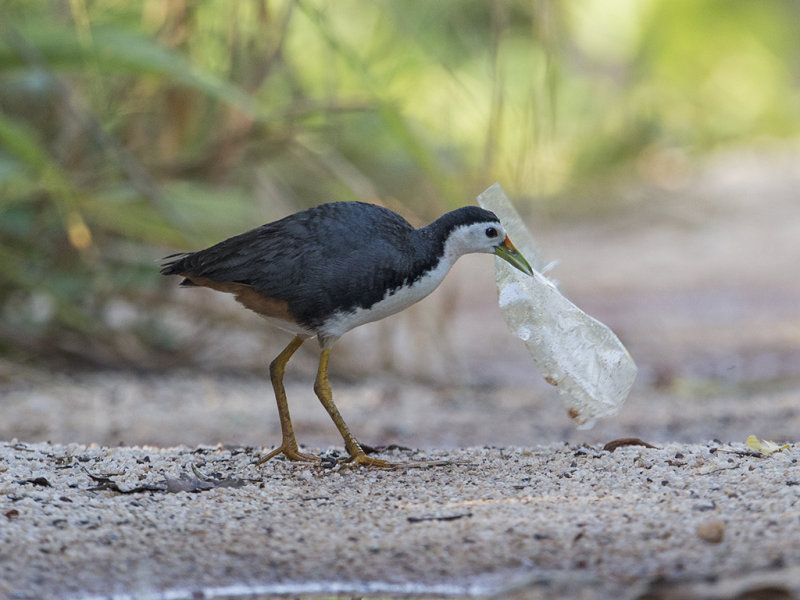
131,128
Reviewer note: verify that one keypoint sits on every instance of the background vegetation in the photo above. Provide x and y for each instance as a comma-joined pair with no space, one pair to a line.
131,128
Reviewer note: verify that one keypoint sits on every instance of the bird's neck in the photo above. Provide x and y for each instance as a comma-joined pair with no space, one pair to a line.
438,240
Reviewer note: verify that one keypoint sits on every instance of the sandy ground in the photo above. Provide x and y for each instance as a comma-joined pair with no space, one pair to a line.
542,521
699,282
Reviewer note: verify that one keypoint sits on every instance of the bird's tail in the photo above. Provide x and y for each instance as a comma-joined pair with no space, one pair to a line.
175,264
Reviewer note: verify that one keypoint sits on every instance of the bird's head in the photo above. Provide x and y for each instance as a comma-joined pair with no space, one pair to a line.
484,233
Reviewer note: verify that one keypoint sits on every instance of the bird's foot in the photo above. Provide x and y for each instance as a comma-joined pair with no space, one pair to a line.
360,458
291,452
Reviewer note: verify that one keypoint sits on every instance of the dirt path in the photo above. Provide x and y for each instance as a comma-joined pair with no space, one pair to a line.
550,520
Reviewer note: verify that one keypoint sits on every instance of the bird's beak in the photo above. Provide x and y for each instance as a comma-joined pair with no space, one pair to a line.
507,252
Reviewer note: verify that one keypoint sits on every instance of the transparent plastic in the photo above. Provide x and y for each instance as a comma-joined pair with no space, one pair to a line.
575,352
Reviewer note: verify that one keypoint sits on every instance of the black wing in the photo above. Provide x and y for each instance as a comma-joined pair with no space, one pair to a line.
335,256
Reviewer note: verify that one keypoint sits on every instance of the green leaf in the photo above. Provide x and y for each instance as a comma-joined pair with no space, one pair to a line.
114,50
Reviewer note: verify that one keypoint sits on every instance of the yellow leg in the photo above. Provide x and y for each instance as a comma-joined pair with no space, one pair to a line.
288,446
322,388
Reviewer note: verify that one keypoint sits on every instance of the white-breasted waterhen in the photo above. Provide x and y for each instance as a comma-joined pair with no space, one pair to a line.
325,270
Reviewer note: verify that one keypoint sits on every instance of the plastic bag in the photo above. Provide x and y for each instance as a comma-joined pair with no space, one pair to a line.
575,352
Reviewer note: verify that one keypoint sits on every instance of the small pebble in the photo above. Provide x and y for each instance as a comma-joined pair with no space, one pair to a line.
712,531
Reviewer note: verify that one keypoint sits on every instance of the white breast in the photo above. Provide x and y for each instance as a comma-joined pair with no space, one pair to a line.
462,240
391,303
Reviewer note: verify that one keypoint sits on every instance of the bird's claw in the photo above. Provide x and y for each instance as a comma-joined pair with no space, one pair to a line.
291,452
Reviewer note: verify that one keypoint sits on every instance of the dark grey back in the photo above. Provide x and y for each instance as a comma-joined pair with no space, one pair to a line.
336,256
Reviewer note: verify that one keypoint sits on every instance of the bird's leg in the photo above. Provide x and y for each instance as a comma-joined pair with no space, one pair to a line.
322,388
288,446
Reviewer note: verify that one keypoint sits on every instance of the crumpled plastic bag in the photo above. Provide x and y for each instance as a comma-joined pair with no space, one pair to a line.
575,352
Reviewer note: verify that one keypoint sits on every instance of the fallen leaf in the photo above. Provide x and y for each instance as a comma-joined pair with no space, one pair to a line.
104,482
765,447
36,481
184,483
187,483
614,444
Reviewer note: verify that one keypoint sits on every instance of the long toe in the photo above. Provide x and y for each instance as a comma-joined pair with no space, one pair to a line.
290,452
367,461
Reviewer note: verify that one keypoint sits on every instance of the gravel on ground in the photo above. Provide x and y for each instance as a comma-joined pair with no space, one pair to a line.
90,521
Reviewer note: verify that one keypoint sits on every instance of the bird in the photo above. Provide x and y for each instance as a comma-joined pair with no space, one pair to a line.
327,269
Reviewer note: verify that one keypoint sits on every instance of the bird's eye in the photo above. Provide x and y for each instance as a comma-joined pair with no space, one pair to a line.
491,232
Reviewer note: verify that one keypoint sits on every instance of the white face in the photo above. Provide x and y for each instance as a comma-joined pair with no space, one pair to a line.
478,237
